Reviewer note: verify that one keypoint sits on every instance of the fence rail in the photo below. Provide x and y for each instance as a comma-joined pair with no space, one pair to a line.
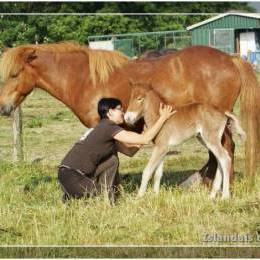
18,135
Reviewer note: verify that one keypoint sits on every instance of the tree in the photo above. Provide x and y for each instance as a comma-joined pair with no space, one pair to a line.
17,30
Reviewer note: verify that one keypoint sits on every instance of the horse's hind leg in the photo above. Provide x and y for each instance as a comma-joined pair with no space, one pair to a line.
223,158
229,146
225,163
157,156
216,186
226,166
157,177
208,171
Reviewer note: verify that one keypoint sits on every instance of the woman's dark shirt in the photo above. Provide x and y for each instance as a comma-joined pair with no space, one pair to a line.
99,145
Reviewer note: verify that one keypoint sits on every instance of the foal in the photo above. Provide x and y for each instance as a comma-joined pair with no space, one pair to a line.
203,121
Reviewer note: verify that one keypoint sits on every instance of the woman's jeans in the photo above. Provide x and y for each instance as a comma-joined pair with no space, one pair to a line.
76,185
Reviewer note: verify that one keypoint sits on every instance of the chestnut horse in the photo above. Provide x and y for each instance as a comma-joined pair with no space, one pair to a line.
79,77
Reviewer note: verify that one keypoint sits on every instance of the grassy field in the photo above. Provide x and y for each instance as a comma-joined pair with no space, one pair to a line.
32,213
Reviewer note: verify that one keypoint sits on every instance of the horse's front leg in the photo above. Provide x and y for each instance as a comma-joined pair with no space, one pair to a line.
157,177
157,156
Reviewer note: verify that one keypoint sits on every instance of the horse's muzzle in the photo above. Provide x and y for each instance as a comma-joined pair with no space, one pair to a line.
130,118
6,110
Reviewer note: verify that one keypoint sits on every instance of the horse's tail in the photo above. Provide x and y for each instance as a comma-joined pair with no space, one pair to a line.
236,125
250,113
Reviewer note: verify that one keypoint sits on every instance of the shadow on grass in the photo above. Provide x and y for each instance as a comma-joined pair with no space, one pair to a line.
11,231
34,181
131,182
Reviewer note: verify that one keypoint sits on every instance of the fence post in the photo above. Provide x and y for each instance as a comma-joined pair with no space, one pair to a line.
18,135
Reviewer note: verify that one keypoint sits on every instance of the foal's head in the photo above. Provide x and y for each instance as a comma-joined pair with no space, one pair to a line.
142,100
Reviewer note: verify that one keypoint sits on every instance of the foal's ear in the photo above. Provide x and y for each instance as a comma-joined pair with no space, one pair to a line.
30,55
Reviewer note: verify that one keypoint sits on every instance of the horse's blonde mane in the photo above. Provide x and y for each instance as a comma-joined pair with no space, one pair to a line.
101,62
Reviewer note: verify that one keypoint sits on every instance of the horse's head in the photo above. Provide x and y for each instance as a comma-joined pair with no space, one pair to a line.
18,77
136,106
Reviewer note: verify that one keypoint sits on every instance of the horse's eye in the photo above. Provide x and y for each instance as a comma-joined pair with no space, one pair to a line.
139,99
14,76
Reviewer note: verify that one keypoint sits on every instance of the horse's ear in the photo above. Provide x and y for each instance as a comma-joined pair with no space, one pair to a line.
30,55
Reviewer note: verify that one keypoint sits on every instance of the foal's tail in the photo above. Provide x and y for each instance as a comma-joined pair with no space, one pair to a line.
250,113
235,124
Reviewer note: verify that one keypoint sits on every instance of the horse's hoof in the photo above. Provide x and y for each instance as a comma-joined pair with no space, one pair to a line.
156,191
225,197
212,196
140,194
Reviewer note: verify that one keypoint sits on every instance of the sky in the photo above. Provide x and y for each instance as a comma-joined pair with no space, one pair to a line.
256,5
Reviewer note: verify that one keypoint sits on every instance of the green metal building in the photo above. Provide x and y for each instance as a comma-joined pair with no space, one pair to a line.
229,32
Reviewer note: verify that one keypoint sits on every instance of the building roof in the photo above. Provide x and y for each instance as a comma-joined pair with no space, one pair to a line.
251,15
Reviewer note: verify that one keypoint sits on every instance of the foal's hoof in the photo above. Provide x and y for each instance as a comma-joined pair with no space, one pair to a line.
212,196
140,195
225,197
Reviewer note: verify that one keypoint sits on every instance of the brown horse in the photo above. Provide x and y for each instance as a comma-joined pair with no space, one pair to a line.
79,77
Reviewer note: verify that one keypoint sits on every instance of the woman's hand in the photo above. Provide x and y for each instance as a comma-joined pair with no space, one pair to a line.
134,138
166,111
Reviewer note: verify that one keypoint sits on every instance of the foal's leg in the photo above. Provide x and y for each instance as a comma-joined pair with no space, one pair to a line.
157,177
226,165
224,161
229,146
157,156
207,172
216,183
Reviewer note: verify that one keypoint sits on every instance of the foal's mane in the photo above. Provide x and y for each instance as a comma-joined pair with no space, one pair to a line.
101,62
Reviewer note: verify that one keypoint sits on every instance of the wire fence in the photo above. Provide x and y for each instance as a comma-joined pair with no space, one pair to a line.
133,44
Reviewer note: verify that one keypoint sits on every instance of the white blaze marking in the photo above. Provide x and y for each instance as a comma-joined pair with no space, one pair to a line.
130,117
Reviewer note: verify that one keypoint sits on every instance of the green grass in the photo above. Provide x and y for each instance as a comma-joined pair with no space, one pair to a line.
31,211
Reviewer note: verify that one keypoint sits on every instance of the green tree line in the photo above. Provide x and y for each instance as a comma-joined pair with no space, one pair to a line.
20,29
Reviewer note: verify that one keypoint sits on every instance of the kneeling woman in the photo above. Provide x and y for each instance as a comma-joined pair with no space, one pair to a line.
92,163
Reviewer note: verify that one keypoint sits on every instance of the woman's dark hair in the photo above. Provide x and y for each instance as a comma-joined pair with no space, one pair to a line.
104,104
